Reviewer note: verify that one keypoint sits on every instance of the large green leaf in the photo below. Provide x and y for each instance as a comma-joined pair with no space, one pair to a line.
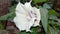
44,18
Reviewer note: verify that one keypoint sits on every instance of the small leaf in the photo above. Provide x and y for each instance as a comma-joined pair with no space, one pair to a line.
12,9
51,11
53,17
1,26
54,23
34,30
40,0
23,32
37,1
47,6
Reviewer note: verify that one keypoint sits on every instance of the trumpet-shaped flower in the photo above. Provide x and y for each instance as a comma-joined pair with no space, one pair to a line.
26,16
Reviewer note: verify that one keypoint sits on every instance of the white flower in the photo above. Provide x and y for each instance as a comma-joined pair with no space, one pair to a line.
26,16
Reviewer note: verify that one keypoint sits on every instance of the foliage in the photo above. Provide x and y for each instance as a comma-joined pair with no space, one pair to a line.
37,1
10,15
1,25
44,18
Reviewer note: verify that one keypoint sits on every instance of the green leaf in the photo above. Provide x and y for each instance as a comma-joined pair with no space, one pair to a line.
7,16
37,1
54,23
12,9
47,6
53,17
52,31
40,0
10,15
51,11
44,18
58,31
1,26
34,30
58,20
59,15
23,32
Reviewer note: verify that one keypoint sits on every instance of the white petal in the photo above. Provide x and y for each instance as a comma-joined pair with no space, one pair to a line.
29,24
28,6
20,8
23,20
20,19
20,22
37,12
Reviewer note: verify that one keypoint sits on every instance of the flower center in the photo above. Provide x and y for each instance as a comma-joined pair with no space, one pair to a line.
32,15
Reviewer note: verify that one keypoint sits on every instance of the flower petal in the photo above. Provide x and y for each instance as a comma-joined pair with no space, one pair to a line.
26,16
37,12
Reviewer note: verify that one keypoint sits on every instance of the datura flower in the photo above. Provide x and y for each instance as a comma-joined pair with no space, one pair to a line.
26,16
